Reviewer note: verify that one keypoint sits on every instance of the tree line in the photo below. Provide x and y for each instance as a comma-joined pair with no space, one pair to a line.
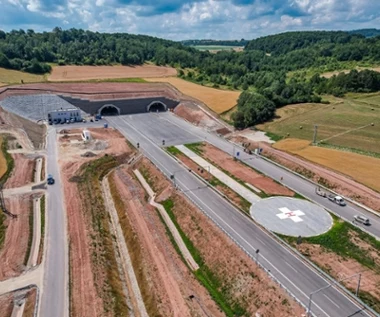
261,70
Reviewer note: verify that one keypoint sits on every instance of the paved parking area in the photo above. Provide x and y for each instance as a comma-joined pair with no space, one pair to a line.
291,216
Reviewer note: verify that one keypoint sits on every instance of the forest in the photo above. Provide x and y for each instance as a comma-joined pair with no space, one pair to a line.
261,70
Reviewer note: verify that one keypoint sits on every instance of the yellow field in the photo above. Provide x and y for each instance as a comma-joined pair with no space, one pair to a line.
10,76
364,169
216,99
3,162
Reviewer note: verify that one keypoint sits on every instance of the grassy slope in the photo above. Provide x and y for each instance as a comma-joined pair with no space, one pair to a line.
103,256
9,76
6,161
342,115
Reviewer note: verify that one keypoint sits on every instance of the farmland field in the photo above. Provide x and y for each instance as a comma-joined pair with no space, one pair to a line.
216,48
344,123
367,172
9,76
73,73
216,99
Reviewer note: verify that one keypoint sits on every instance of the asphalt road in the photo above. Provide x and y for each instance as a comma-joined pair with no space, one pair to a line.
54,297
298,184
289,270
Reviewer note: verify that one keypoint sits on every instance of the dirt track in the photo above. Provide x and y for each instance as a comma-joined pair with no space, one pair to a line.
12,255
22,173
85,300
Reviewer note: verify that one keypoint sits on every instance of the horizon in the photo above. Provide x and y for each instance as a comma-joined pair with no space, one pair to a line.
191,19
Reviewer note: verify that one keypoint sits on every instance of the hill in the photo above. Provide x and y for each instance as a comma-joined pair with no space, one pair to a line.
366,32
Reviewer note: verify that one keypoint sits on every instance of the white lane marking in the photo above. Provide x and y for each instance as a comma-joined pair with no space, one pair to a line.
262,257
291,266
331,300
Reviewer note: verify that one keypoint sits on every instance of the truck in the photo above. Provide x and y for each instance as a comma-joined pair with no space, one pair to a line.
334,198
50,179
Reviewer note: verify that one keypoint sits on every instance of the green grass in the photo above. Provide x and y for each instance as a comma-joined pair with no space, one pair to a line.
10,165
209,280
173,150
9,161
340,116
273,136
43,211
337,240
10,76
195,147
30,239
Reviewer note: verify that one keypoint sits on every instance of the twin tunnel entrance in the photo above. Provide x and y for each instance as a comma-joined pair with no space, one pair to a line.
112,110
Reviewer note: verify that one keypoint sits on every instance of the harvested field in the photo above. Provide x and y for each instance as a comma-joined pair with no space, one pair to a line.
95,90
90,291
234,275
10,76
72,73
345,123
367,172
23,171
216,99
12,255
342,184
163,278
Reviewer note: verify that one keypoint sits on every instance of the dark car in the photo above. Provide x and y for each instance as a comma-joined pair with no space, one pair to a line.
50,180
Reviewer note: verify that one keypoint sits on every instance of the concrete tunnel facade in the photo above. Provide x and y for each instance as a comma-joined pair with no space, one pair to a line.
123,106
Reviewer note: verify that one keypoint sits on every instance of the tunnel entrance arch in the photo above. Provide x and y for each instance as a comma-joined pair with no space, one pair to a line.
156,106
109,110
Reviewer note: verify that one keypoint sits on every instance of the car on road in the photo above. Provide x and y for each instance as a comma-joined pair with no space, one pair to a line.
362,219
50,179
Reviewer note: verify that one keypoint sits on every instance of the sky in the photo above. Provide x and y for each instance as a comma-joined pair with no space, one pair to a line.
191,19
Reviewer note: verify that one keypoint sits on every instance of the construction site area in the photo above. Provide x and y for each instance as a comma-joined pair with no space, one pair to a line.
152,206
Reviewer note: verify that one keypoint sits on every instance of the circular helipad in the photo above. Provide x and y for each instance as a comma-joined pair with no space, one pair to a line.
291,216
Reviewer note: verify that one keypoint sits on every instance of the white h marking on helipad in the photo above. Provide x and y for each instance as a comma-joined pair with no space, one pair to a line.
294,215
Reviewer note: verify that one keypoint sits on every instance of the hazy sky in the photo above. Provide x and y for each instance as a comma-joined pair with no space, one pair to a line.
191,19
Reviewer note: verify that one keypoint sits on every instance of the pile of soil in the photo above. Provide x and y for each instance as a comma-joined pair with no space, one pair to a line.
89,154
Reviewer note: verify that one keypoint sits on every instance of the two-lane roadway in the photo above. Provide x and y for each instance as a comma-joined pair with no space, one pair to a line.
54,296
299,278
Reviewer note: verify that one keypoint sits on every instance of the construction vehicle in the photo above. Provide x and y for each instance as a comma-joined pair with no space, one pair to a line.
336,199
